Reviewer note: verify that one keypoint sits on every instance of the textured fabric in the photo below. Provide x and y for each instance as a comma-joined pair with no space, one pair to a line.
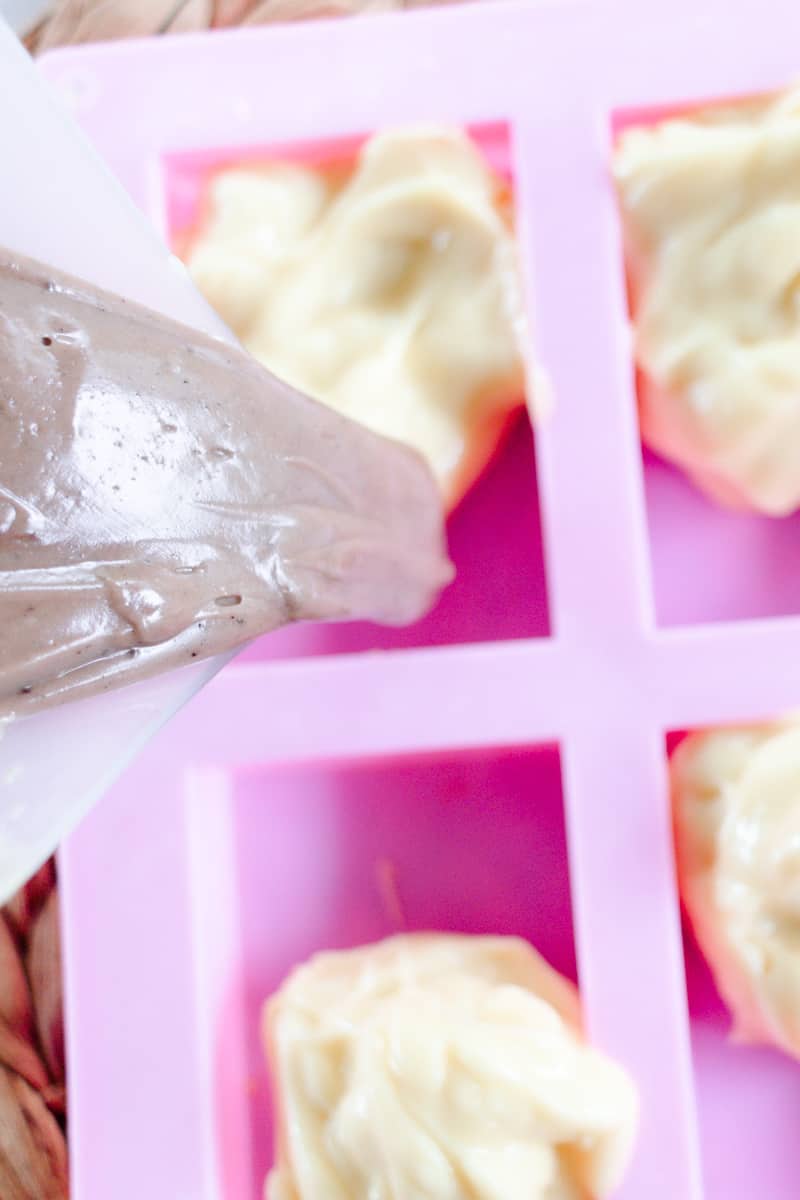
74,21
33,1151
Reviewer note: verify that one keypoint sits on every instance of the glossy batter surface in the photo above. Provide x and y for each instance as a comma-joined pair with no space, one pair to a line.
164,498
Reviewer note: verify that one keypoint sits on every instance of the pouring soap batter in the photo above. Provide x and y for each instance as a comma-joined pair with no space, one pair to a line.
163,498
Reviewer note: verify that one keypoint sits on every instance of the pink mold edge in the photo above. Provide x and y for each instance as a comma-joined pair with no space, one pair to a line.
241,801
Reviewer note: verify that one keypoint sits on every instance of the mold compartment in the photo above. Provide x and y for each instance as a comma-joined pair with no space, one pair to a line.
710,563
494,534
287,861
748,1097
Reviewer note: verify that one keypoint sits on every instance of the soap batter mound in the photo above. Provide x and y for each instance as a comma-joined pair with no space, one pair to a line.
387,287
711,211
736,798
441,1066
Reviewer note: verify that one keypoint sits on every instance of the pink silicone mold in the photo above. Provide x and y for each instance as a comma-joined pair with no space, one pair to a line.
323,799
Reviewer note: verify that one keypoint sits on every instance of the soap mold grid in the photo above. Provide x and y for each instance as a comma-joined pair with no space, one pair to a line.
606,686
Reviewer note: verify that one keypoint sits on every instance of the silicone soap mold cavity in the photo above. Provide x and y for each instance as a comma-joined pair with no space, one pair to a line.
712,563
494,534
472,843
747,1096
290,737
500,591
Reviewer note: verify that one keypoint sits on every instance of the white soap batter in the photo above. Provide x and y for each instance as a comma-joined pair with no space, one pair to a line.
711,208
444,1068
737,818
389,290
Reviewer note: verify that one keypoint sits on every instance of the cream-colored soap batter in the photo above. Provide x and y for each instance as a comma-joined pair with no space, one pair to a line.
737,818
711,209
390,290
444,1068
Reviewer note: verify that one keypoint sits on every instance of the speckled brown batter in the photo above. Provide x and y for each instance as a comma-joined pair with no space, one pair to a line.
163,498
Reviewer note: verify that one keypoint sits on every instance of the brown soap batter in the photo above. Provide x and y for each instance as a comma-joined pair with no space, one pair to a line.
163,498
